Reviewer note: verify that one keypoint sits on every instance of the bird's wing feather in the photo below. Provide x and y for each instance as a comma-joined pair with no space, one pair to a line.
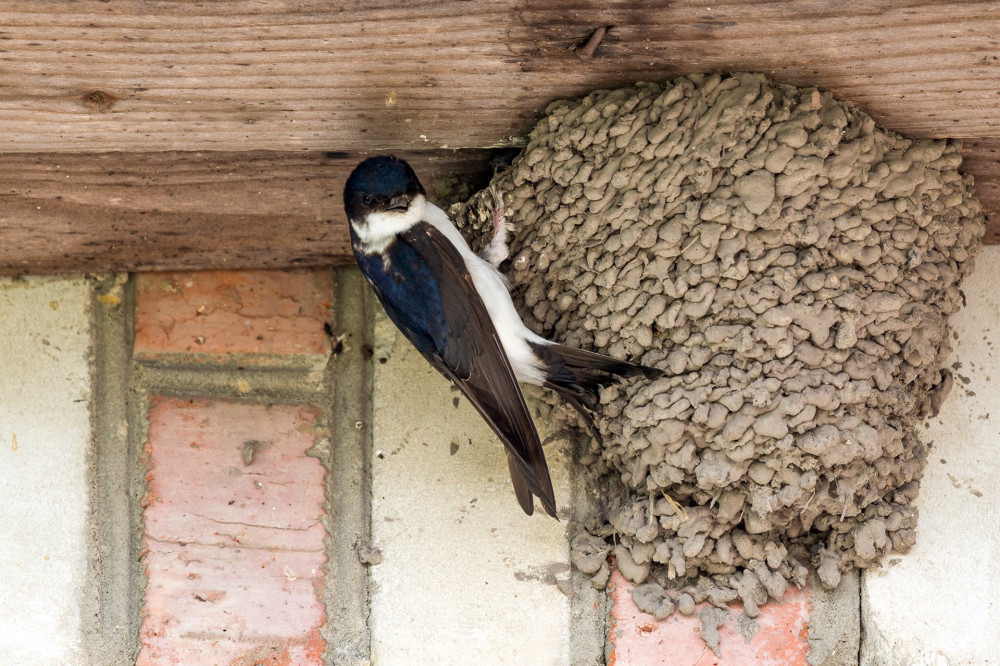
467,350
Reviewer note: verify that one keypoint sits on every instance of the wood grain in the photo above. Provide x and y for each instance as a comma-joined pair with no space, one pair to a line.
165,75
982,160
158,211
162,211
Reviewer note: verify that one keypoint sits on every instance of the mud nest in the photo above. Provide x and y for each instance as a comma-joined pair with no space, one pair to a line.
792,266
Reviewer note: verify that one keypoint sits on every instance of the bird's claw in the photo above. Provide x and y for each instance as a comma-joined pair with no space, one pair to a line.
496,251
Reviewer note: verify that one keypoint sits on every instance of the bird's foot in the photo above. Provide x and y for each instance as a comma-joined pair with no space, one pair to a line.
497,250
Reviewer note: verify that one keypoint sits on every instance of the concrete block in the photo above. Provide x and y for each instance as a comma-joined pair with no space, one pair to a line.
233,312
835,622
233,535
44,437
938,603
466,577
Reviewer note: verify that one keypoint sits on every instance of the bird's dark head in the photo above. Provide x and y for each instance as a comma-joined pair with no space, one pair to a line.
381,185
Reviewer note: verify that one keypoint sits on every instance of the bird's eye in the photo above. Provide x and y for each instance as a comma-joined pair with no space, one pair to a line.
368,200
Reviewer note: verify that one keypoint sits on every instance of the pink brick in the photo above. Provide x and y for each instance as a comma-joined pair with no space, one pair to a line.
639,639
234,554
223,312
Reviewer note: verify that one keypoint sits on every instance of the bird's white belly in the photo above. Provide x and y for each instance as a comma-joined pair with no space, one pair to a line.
514,335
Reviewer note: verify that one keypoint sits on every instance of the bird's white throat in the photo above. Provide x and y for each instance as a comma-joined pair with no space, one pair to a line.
380,228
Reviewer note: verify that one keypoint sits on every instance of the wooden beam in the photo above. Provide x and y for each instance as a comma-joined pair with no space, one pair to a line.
159,211
156,211
159,75
982,160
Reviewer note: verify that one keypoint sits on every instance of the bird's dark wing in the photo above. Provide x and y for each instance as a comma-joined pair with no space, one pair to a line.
455,333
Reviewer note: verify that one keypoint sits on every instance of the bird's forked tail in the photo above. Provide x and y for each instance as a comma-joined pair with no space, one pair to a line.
578,376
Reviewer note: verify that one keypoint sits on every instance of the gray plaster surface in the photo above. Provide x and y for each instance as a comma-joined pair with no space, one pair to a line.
940,603
466,577
44,438
835,623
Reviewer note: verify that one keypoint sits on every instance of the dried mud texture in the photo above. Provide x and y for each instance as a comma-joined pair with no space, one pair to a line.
792,267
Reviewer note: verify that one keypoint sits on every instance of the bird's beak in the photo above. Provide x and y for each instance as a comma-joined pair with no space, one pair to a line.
400,202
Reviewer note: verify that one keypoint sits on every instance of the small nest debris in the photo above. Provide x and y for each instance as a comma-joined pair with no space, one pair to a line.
793,267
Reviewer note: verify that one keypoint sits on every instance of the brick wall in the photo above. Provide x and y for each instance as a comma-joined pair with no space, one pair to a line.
254,468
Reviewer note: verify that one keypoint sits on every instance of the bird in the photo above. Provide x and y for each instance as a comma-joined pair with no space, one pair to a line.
455,307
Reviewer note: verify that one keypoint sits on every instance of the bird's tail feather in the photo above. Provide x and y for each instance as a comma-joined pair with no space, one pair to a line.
585,372
578,376
524,492
592,363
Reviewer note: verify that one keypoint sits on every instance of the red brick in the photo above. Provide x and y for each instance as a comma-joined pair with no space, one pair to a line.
639,639
222,312
234,554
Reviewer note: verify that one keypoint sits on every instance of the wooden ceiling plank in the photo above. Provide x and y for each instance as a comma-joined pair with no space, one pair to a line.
93,76
163,211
